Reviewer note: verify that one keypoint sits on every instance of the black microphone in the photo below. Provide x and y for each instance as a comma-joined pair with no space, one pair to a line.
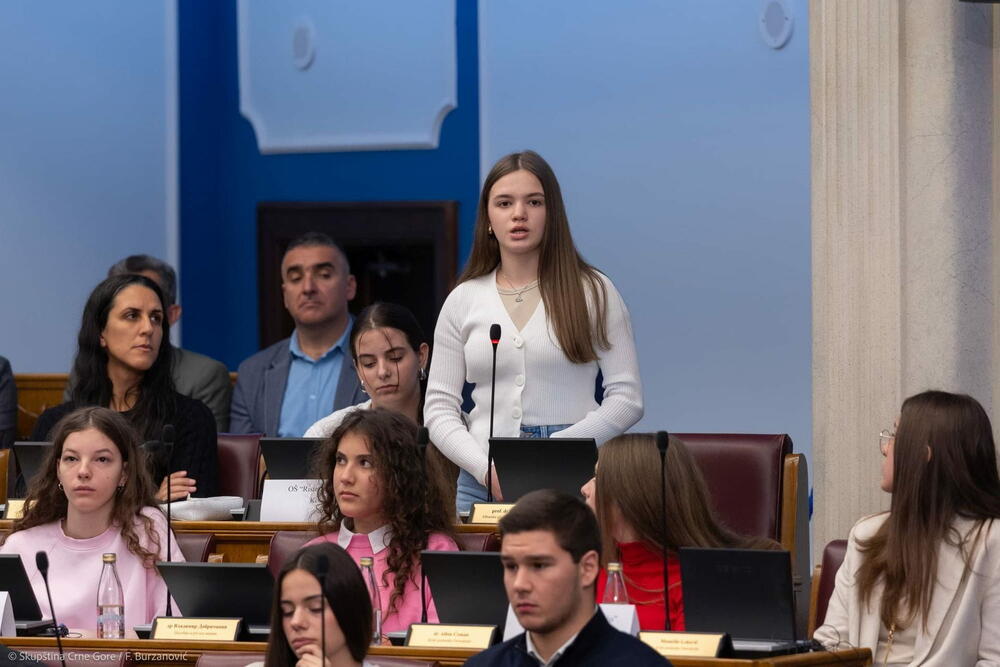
322,567
662,442
494,340
423,439
42,563
167,438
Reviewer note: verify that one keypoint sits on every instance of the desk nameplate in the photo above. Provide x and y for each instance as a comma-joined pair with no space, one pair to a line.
489,513
196,629
437,635
689,644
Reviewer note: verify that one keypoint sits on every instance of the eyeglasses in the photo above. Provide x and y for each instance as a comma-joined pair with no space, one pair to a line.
884,438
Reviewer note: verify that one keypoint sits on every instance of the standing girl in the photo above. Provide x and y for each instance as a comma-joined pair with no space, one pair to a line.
561,321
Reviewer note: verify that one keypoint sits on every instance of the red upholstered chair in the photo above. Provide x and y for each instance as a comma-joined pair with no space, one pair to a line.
284,543
239,465
759,487
824,579
196,546
478,541
227,659
74,657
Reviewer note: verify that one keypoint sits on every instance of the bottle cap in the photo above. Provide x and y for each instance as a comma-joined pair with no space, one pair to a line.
109,558
614,567
366,561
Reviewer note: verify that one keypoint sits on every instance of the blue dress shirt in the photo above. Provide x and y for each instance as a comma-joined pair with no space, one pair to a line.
312,385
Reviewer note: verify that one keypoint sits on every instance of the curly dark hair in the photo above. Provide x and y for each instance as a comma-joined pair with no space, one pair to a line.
413,506
93,386
46,502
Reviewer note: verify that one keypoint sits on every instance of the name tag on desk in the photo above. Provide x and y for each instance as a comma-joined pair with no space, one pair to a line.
196,629
437,635
290,500
489,513
688,644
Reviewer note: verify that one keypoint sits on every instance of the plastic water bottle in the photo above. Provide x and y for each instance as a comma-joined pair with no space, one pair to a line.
614,589
368,573
110,602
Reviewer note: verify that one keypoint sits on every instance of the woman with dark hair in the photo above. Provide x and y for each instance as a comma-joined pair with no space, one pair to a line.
625,494
94,496
562,322
123,363
920,584
390,354
374,503
338,614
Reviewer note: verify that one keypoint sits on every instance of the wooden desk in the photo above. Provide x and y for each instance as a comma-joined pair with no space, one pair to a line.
243,541
150,653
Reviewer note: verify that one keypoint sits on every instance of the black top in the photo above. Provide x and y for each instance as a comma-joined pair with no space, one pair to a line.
196,447
598,644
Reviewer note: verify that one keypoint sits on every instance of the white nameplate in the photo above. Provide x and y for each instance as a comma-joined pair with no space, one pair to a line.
290,500
434,635
7,628
687,644
622,617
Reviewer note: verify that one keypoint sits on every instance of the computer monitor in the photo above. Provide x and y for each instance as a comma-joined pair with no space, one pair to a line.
222,590
527,464
289,458
467,587
14,580
30,456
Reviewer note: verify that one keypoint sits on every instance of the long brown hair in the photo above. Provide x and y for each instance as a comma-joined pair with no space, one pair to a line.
944,467
562,272
413,506
628,479
345,592
46,502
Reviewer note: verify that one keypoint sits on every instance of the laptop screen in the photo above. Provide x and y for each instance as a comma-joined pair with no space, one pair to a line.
528,464
289,458
745,592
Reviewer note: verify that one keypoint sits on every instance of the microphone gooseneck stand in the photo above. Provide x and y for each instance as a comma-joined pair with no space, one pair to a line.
662,442
322,567
168,448
494,340
42,563
423,439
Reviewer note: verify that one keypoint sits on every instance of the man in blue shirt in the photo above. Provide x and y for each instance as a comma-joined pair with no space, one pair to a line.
284,389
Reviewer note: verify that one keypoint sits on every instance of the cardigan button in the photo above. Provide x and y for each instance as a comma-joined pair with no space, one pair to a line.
516,413
518,342
519,380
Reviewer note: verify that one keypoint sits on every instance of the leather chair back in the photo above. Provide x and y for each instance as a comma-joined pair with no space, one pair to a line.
239,465
833,557
744,473
228,658
196,546
478,541
284,543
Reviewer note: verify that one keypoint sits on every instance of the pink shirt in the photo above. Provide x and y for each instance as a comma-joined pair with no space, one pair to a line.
75,571
375,545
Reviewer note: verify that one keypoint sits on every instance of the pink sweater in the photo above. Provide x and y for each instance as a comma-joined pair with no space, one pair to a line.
408,610
75,571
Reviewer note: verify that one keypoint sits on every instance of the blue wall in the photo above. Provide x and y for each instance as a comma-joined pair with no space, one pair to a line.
85,161
682,146
224,176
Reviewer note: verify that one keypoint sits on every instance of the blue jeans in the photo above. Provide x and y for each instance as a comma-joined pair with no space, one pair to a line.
470,491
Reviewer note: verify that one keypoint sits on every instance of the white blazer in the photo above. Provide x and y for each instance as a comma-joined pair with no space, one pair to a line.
963,625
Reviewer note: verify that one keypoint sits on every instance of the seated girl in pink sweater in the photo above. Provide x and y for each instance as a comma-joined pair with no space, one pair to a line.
93,496
377,502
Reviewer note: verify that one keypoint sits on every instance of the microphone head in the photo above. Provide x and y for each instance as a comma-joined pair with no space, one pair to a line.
495,334
168,434
662,441
42,562
423,436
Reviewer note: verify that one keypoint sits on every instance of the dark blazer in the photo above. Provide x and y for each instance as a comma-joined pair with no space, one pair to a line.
8,404
597,645
260,389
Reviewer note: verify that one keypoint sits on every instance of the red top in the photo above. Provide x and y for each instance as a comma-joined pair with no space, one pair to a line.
643,570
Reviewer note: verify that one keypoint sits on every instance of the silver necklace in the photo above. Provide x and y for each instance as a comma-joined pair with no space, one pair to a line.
519,298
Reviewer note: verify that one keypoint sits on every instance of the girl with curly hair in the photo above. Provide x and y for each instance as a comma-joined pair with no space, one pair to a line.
94,496
375,503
